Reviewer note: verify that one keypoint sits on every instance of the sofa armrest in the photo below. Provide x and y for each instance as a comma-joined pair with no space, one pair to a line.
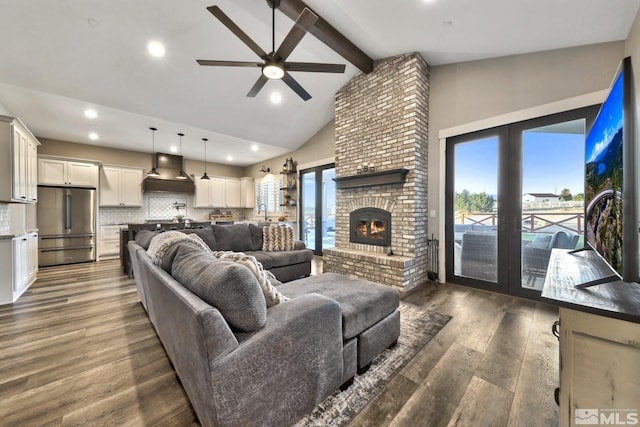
281,372
298,245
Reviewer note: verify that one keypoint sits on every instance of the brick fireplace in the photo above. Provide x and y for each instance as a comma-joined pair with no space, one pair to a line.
382,127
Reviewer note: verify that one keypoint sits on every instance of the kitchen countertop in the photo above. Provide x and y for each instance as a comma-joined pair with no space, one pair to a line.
13,236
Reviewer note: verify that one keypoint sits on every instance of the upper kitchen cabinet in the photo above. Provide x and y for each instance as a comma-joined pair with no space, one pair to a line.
120,186
217,192
232,193
18,163
247,192
70,173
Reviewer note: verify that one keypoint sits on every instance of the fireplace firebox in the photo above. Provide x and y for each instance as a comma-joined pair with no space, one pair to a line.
371,226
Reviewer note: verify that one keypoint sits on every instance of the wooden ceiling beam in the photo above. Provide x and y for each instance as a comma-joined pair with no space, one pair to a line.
327,34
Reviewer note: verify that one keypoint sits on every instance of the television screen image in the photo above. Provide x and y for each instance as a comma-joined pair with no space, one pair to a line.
604,180
611,199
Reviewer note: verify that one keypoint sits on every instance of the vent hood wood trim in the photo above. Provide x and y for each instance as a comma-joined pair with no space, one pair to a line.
393,176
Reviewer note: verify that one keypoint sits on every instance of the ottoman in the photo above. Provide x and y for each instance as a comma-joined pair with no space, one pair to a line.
370,316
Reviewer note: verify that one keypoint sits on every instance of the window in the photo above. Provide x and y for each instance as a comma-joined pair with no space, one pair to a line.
268,194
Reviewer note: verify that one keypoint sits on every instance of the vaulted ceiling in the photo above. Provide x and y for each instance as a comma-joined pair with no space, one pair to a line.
61,57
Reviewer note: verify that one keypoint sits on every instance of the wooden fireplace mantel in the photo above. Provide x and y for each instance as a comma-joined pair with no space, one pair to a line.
393,176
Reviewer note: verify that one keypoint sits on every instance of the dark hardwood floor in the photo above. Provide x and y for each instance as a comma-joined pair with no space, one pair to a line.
77,349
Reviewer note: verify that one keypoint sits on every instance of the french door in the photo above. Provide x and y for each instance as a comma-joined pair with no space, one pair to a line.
318,207
513,193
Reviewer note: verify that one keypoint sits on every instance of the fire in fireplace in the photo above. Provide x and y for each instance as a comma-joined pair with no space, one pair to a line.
371,226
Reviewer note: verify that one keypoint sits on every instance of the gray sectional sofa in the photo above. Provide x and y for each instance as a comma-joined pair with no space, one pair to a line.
243,363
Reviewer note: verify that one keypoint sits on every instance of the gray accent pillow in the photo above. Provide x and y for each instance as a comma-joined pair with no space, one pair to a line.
233,237
143,237
206,234
256,237
229,287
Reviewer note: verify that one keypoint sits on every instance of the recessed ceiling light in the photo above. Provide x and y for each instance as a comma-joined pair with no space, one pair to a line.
254,147
156,49
276,97
93,23
229,158
173,149
93,136
90,113
447,23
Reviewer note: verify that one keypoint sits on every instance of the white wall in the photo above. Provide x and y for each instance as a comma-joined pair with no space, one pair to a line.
472,91
4,110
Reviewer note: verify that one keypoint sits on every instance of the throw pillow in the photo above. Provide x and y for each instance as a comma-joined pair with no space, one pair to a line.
277,238
266,279
143,237
163,241
232,237
227,286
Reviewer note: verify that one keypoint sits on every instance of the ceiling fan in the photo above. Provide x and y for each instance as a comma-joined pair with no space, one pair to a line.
275,65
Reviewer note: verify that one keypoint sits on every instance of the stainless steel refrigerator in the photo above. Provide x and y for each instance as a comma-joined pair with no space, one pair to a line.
66,224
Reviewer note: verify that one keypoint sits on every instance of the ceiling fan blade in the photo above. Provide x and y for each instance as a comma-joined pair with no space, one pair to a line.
210,63
314,68
259,84
293,84
218,13
304,22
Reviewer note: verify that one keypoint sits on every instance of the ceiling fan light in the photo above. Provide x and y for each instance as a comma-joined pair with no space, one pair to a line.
273,71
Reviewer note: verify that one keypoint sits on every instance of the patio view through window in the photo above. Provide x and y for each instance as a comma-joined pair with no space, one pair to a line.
550,163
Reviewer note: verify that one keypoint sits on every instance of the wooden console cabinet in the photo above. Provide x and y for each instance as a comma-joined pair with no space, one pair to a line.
599,343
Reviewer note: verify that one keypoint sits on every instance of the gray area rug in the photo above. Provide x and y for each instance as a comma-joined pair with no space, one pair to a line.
417,327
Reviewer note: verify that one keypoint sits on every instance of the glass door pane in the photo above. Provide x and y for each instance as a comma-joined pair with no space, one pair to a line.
475,210
552,195
308,208
328,208
318,194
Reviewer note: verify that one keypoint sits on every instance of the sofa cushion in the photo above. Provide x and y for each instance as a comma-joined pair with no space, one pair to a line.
277,238
163,241
263,257
256,237
206,234
232,237
229,287
283,258
266,279
143,237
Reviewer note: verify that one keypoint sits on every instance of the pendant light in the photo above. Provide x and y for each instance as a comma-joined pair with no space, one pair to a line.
153,171
182,174
205,176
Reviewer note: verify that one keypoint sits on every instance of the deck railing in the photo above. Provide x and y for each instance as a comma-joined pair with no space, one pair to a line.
532,222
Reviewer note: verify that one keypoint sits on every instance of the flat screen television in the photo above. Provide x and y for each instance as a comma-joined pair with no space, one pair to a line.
611,190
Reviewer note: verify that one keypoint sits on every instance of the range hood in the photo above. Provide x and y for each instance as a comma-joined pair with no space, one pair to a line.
168,166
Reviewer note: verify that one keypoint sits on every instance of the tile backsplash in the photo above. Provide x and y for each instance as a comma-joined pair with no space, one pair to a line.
160,207
4,219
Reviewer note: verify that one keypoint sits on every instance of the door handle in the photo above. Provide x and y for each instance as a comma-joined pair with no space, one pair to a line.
67,211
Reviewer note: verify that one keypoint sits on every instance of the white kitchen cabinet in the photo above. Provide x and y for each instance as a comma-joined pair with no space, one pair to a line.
218,192
67,173
217,196
232,189
19,263
109,241
120,186
18,162
247,192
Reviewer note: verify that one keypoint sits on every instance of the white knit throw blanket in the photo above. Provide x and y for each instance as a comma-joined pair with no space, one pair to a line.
264,277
